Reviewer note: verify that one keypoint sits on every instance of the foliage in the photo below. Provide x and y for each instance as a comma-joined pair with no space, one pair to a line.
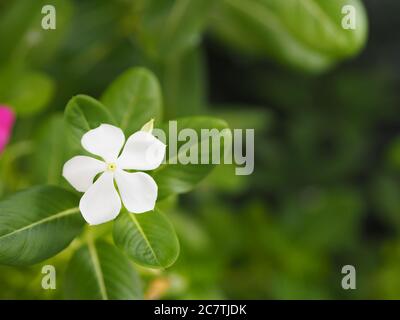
325,188
42,221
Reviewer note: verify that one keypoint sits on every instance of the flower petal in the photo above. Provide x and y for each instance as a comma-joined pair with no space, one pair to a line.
81,170
7,119
101,203
105,141
138,190
142,151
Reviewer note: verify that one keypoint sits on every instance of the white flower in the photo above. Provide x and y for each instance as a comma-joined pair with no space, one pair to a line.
101,201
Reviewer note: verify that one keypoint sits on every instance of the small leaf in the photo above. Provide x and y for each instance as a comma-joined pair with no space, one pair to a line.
37,223
100,271
134,98
82,114
149,126
180,178
149,239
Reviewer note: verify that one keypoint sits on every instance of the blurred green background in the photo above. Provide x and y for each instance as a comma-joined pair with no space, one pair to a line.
324,105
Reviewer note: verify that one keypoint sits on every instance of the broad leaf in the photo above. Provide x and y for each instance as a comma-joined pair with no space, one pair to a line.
133,99
149,239
82,114
179,177
37,223
99,271
305,34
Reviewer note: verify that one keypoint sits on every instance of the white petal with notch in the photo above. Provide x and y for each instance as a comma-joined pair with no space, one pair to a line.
81,170
142,151
105,141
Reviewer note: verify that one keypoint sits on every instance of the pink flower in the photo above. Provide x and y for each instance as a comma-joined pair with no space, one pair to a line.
7,119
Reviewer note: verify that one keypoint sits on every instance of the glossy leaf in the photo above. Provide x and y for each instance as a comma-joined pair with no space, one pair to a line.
305,34
99,271
37,223
180,178
133,99
149,239
82,114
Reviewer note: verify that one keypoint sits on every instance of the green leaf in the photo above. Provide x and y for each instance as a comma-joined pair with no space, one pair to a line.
37,223
149,239
100,271
133,99
82,114
168,28
50,153
305,34
29,93
181,178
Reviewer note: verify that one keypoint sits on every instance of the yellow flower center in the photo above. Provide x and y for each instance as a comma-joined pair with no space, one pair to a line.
111,167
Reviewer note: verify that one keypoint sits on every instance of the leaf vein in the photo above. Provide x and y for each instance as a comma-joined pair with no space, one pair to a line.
42,221
133,218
